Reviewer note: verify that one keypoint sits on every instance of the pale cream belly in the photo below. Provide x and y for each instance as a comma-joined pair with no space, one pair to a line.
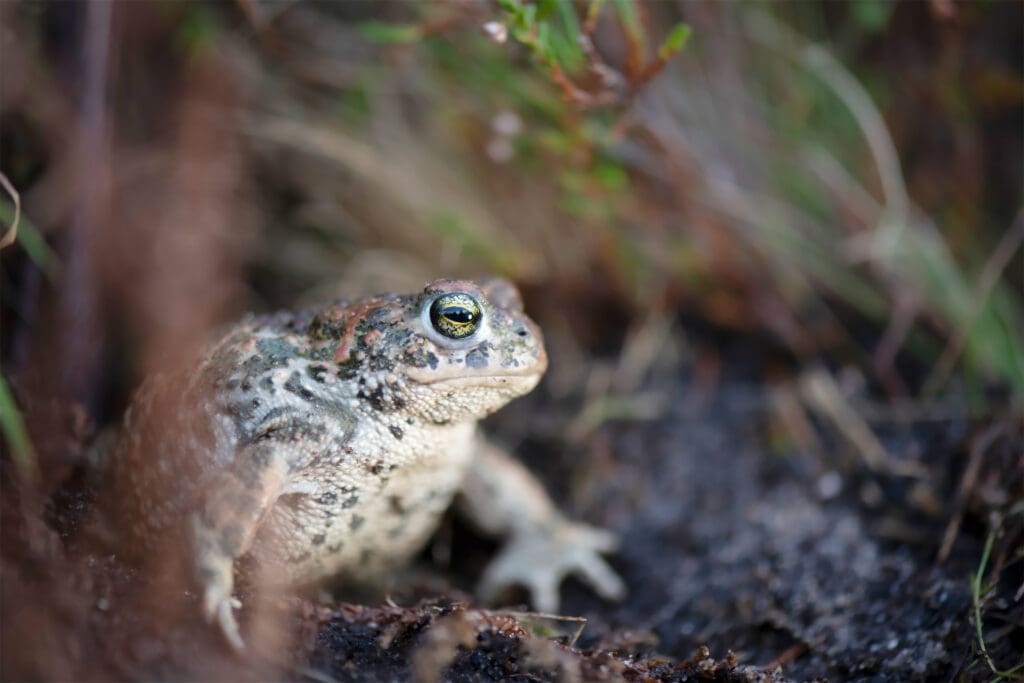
360,528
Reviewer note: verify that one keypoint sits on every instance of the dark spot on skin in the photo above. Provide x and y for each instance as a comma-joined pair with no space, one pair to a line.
333,549
409,420
246,386
441,423
350,501
256,403
477,358
232,384
366,555
396,505
294,385
321,354
257,366
277,351
267,384
357,521
317,540
396,532
432,360
329,325
396,432
329,498
375,398
377,467
317,372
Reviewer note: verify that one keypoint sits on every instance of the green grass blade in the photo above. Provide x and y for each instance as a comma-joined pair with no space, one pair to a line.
14,432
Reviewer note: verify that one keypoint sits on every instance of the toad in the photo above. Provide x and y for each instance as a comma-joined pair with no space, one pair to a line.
329,442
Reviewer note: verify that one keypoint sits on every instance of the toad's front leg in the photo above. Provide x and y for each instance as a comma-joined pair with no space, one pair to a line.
502,498
235,501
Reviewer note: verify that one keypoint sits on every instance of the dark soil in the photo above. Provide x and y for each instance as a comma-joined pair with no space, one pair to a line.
743,562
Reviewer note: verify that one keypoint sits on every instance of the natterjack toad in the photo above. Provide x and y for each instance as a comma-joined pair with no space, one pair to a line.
330,442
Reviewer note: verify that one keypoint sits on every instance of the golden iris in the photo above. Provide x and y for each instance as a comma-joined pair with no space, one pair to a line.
456,316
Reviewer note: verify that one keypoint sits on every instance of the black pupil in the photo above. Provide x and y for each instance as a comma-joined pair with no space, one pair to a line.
457,314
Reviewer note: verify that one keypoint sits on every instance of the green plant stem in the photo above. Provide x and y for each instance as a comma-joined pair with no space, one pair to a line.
977,591
14,432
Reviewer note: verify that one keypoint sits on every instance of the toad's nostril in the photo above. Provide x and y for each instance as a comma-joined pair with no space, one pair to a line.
522,332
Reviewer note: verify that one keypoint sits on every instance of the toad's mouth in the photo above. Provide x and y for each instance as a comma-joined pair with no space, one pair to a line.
493,373
530,378
522,379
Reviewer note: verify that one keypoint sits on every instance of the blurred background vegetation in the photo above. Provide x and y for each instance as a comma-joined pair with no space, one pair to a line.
821,199
834,183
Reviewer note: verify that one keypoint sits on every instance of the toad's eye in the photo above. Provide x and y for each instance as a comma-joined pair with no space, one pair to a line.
456,316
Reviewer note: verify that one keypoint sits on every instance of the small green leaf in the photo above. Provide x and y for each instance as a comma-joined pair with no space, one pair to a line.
611,175
516,13
555,140
544,41
14,432
570,26
675,42
199,29
631,20
383,32
572,181
545,8
871,15
529,15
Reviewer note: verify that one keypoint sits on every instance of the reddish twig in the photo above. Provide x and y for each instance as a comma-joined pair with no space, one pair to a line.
980,446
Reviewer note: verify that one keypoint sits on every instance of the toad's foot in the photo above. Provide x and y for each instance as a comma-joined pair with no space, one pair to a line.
219,607
221,610
215,574
540,558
